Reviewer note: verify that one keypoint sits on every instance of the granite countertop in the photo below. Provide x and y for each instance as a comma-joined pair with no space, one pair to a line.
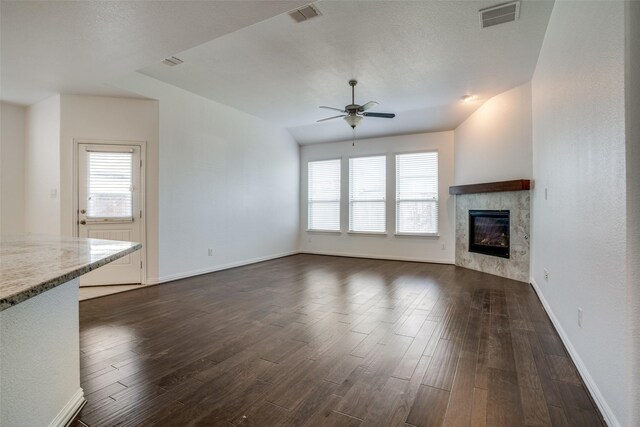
33,264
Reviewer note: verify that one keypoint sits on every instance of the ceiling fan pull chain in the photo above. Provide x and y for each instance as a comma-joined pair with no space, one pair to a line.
353,143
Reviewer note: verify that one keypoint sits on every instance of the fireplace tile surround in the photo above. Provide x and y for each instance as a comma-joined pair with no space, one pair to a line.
518,203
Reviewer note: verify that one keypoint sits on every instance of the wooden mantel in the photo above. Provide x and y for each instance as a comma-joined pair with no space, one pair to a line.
491,187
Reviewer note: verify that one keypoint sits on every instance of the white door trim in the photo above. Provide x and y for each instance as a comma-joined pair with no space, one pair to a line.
143,191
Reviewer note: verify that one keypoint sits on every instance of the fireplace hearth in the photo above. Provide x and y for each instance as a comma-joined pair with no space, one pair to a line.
489,232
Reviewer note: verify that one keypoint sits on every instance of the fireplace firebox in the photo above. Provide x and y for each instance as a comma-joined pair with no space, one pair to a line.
489,232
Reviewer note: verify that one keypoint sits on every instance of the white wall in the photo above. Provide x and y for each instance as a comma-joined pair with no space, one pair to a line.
42,167
388,246
111,119
12,143
227,181
40,359
632,107
494,143
579,230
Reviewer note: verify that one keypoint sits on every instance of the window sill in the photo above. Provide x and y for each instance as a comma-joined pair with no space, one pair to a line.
368,233
433,235
325,231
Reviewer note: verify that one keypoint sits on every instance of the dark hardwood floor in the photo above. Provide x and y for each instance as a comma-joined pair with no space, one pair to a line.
328,341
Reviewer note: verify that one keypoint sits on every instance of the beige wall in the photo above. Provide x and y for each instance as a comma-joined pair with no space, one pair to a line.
52,126
42,167
431,249
110,119
227,181
494,143
632,110
12,144
579,201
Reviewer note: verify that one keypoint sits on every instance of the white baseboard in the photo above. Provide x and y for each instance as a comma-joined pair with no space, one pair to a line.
373,256
70,410
172,277
604,407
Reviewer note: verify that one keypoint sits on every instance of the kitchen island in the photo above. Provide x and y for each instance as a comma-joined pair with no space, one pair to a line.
39,329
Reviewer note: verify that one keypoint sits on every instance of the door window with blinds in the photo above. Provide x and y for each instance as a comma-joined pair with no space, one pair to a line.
324,195
417,193
109,184
367,194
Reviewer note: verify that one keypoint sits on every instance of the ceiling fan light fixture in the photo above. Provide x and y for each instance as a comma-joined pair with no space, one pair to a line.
353,120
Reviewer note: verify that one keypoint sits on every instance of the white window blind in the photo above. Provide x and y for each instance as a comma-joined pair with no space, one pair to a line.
367,194
110,176
324,195
417,193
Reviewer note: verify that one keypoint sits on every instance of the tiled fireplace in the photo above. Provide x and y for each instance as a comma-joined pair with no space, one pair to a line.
492,228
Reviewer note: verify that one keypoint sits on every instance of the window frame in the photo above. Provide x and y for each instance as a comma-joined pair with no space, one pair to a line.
112,218
396,200
339,201
385,199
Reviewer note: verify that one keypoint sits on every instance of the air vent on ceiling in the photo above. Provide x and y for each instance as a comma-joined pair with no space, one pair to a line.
499,14
172,61
302,14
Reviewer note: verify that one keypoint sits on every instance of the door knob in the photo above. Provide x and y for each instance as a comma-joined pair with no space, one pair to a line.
83,211
83,222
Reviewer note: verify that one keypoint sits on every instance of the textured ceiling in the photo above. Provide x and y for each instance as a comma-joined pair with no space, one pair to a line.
50,47
416,58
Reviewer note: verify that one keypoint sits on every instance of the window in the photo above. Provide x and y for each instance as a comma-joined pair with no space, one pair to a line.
417,193
367,187
324,195
110,184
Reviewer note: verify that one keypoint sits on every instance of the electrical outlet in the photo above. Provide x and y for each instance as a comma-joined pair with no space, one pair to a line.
210,252
546,275
53,193
580,316
444,247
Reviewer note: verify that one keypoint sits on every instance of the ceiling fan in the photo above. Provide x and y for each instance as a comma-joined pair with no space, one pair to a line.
353,112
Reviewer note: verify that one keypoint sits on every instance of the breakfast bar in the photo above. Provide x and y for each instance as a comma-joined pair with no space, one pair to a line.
39,329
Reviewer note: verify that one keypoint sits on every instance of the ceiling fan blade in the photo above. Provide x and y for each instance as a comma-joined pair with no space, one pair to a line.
368,106
381,115
331,108
331,118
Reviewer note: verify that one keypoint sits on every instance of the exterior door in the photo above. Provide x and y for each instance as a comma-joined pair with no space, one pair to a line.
109,206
